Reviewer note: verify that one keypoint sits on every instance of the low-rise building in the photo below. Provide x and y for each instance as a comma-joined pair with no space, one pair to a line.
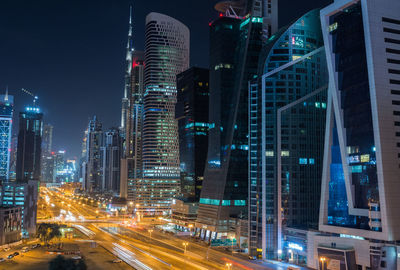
10,225
184,214
24,195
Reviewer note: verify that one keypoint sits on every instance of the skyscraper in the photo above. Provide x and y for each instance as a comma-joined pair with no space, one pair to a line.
6,115
93,179
192,116
111,160
287,116
166,55
29,152
135,109
47,139
47,156
359,212
128,70
236,39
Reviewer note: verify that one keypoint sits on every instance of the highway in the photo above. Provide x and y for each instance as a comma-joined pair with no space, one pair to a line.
141,246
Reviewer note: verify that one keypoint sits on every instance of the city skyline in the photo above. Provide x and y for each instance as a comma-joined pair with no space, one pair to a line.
63,49
216,134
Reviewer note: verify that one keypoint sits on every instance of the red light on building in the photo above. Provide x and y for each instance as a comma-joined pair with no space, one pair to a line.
221,15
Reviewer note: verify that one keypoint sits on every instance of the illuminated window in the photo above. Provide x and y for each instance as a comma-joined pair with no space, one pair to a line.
285,153
303,161
269,153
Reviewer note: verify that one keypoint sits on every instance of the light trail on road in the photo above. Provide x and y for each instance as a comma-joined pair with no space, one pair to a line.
128,257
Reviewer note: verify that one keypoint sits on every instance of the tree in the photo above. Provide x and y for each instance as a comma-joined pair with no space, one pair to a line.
61,263
47,231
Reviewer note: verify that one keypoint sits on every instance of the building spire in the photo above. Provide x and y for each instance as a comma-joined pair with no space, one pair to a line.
6,95
130,15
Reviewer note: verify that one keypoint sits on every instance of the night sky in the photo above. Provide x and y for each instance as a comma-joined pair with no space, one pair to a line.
71,54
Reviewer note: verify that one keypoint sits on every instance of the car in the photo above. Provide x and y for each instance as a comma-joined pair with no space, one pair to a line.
76,257
2,259
252,258
25,249
117,261
6,249
10,256
38,245
16,253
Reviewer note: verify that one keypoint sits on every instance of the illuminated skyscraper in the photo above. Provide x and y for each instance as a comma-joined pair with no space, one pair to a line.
192,117
6,115
128,83
236,40
47,156
92,180
359,214
47,139
29,152
287,116
111,160
166,55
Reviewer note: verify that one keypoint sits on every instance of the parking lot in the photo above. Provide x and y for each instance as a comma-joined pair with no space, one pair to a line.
38,258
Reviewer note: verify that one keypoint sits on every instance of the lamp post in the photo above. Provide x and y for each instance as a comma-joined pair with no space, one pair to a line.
185,244
228,266
232,243
322,260
150,231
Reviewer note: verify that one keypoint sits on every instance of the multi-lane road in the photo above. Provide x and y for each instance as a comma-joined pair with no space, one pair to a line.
140,246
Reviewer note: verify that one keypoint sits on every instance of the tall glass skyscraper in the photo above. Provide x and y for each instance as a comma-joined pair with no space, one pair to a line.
192,117
287,116
166,55
6,115
236,39
29,151
94,140
128,71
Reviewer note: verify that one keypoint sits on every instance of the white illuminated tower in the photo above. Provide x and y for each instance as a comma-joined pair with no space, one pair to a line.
127,88
166,55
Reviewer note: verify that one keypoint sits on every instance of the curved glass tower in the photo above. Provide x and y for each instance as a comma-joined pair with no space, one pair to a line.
287,115
166,55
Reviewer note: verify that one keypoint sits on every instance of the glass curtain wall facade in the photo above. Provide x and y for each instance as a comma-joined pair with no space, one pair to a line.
94,141
192,116
235,46
134,125
292,67
166,55
6,115
359,195
111,153
29,151
128,83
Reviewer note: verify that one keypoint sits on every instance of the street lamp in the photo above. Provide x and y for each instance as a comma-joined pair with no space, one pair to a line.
228,266
185,244
150,231
322,260
232,243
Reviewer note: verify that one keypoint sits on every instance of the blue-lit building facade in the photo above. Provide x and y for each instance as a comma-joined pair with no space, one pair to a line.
192,115
287,105
359,215
24,195
29,151
235,46
6,115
